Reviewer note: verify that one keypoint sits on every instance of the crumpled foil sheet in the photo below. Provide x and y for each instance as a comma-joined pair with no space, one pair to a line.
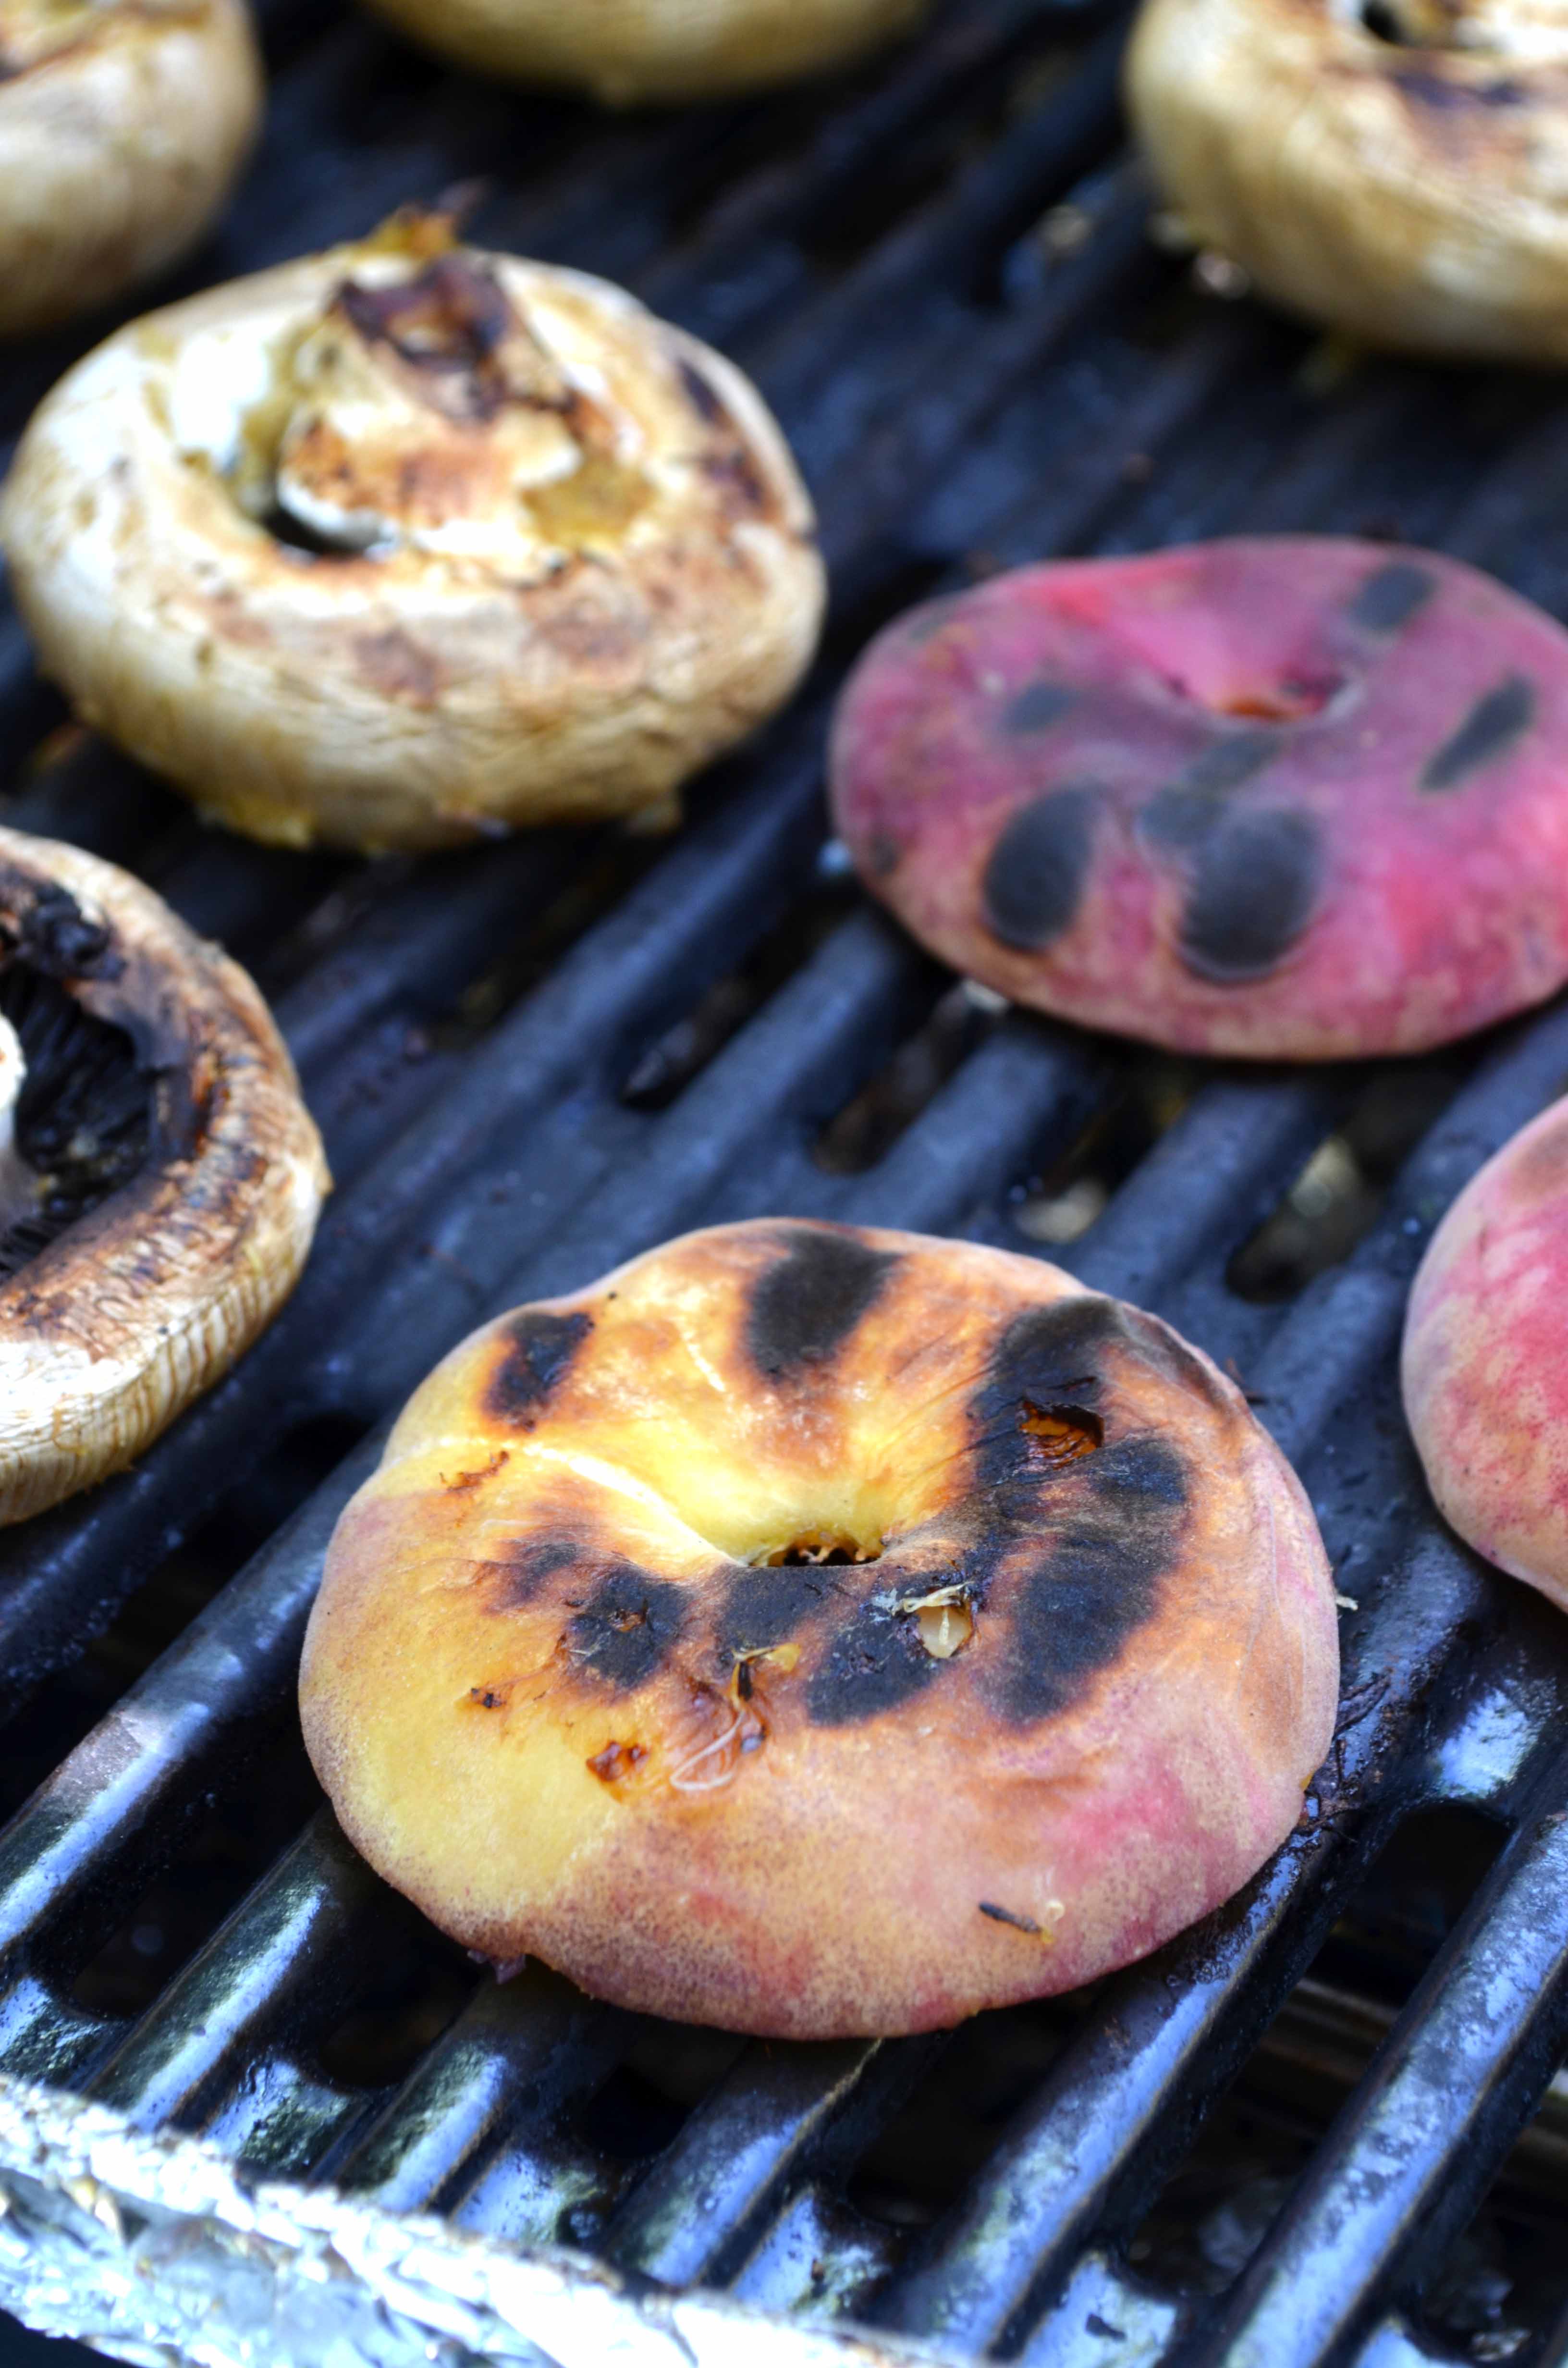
154,2249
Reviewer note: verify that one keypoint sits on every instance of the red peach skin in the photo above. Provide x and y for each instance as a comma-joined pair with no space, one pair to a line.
1485,1364
1288,797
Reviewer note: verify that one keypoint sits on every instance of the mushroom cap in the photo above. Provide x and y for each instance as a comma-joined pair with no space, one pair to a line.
623,52
1485,1358
1287,797
594,1675
1407,191
122,129
561,555
135,1309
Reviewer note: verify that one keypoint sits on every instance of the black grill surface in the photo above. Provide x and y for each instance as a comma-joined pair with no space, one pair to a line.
1319,2128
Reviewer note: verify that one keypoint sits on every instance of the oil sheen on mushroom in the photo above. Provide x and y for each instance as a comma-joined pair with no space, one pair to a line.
1288,797
635,52
159,1175
814,1631
408,543
1393,167
123,124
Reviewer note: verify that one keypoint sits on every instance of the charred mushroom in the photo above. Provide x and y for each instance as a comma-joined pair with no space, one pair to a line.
818,1631
1393,167
407,544
160,1178
630,50
122,126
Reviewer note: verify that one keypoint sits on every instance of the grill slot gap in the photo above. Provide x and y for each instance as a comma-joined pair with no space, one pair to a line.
1334,1201
862,1133
1062,1201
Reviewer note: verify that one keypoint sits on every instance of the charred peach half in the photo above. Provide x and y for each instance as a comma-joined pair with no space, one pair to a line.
1485,1363
1289,797
817,1632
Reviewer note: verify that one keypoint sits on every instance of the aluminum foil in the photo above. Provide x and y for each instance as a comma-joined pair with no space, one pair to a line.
155,2249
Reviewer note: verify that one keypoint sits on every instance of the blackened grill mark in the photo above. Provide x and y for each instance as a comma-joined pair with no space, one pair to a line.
1493,725
1256,882
805,1305
875,1662
1048,1356
539,1348
517,1578
1038,868
765,1607
1391,596
629,1627
1037,706
1182,815
1095,1584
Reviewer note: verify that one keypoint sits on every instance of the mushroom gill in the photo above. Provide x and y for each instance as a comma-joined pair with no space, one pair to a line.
160,1178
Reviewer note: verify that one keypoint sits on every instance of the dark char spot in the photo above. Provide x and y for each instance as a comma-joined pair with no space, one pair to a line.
883,854
1391,596
806,1304
875,1662
1097,1582
765,1607
519,1576
1048,1356
1257,880
628,1627
1034,878
539,1348
1036,707
1183,814
43,924
1493,723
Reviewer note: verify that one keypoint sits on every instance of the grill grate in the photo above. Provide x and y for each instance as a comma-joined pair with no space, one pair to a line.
940,275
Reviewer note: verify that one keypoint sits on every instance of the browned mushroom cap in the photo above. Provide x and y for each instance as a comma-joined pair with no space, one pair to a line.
1394,167
407,542
623,51
160,1178
818,1630
122,126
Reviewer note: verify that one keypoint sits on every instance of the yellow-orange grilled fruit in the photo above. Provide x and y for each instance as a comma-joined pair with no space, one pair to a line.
817,1632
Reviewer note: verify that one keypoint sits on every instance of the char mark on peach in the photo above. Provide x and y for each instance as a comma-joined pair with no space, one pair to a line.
763,1608
1095,1584
629,1627
1036,708
875,1662
539,1348
1035,878
520,1576
807,1303
1392,596
1488,731
1255,885
1182,815
702,397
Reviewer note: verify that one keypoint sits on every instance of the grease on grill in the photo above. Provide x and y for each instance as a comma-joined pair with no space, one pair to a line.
537,1350
806,1304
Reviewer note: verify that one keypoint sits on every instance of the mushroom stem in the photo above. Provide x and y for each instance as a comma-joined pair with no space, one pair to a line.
18,1188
